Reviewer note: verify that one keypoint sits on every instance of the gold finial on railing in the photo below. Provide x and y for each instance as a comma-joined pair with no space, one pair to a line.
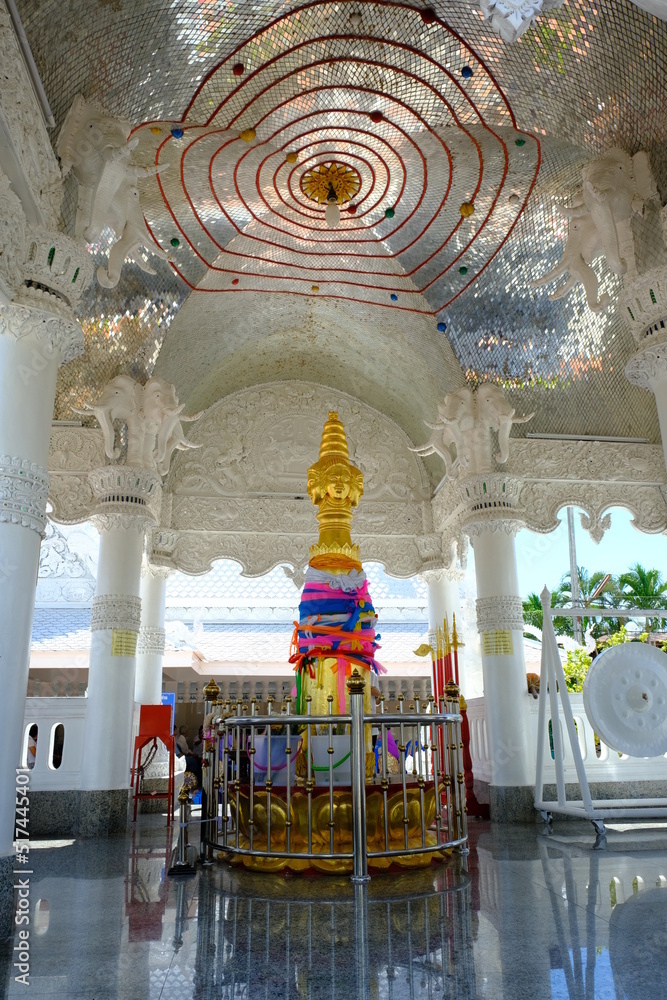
356,683
211,691
452,691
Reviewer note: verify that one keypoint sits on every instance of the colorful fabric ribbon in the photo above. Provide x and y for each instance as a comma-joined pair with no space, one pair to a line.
338,623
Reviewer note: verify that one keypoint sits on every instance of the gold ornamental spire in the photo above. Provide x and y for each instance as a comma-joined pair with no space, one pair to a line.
334,486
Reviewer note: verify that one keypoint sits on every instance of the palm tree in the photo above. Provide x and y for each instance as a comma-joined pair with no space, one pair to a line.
533,615
532,611
596,590
644,588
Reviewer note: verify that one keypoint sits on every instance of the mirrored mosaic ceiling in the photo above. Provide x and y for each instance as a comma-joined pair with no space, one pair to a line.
431,114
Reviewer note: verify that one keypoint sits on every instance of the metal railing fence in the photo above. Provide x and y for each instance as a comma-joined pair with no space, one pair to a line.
356,806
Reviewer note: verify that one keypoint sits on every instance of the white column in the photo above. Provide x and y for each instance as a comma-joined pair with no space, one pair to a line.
648,370
500,625
28,369
150,647
443,597
115,626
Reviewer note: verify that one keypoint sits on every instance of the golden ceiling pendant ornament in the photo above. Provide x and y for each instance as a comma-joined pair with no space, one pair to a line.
335,487
317,182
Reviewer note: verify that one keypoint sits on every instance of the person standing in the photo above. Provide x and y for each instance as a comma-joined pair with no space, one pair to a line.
182,741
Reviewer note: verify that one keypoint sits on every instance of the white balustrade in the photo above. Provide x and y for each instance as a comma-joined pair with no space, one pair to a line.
608,766
47,714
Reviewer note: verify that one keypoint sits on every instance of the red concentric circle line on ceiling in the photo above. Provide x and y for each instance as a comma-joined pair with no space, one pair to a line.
441,142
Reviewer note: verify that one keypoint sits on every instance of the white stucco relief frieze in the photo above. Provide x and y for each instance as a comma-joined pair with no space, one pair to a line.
602,461
211,516
257,554
262,440
22,118
73,453
295,516
592,475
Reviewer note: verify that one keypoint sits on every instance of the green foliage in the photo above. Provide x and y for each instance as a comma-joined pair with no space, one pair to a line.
578,661
644,588
618,638
533,615
575,668
638,587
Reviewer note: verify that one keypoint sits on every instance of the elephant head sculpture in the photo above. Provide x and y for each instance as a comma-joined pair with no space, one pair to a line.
117,401
495,413
465,421
455,418
161,399
613,188
153,417
94,145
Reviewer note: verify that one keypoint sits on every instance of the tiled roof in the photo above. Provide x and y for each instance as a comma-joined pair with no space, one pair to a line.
264,642
225,583
61,629
226,616
67,630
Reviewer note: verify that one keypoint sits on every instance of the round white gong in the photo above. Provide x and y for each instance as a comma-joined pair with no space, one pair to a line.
625,697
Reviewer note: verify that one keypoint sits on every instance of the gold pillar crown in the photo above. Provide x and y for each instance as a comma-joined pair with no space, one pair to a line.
334,486
334,441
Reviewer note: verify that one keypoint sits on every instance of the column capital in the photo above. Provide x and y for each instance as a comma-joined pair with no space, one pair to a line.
511,526
24,490
155,571
438,556
491,502
60,336
497,614
648,366
44,275
159,551
126,496
443,573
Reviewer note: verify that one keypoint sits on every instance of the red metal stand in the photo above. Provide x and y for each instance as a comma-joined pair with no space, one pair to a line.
154,725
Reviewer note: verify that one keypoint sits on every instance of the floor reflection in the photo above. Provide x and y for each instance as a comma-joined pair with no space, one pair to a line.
403,936
534,915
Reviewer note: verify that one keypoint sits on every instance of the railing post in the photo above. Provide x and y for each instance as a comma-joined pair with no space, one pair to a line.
452,695
180,861
355,686
209,800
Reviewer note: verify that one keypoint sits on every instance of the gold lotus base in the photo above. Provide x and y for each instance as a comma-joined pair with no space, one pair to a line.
342,829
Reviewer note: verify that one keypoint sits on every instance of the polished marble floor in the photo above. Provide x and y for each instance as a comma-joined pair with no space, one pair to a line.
535,915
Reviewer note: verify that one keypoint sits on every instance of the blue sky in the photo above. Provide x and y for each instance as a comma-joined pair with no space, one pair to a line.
542,559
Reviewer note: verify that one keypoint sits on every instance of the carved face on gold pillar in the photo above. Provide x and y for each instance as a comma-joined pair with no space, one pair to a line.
338,481
334,486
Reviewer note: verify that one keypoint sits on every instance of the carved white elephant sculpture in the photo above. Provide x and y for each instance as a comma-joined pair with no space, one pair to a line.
455,416
614,187
465,421
153,418
495,413
160,399
94,146
117,401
